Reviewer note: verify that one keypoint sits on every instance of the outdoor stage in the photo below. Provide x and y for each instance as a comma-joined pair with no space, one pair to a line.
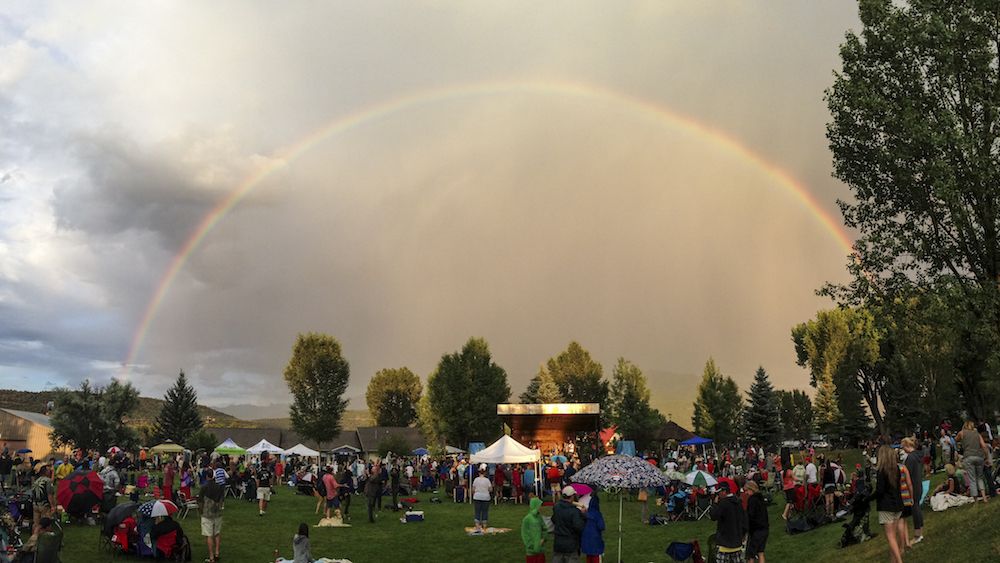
549,426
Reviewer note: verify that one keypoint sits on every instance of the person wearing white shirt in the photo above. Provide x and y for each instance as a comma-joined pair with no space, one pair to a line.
481,489
811,473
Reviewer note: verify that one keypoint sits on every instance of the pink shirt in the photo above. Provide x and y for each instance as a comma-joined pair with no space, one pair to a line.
331,486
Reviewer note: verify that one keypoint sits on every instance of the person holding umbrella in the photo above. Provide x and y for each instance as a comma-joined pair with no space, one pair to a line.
592,539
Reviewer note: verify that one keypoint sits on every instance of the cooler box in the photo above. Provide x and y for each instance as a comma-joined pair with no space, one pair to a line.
414,516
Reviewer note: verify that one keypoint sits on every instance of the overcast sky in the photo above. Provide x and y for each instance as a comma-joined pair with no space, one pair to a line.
530,218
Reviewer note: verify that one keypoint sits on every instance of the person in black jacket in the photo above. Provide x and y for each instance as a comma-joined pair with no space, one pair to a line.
888,501
568,522
757,523
731,526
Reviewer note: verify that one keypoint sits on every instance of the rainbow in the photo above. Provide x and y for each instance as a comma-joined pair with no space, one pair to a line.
441,95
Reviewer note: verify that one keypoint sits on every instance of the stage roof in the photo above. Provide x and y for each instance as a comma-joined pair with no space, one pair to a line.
549,408
565,417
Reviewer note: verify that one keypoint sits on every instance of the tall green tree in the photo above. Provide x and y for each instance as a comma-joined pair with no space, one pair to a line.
718,406
95,417
541,389
628,405
427,421
393,395
317,375
795,411
843,346
914,134
762,417
464,392
178,418
826,413
579,378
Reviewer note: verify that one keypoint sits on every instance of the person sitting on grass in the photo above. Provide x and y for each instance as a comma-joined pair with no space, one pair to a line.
300,545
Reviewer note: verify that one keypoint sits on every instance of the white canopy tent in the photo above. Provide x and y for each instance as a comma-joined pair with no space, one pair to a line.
506,450
302,450
264,446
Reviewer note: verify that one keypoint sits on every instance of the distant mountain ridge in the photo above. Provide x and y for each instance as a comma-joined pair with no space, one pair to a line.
145,413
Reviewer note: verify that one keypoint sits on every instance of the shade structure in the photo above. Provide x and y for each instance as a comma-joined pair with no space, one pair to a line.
421,451
302,450
229,447
113,450
506,450
264,446
696,441
699,478
453,450
80,491
346,449
168,447
617,473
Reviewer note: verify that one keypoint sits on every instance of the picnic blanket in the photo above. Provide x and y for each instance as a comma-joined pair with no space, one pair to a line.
320,560
491,531
944,501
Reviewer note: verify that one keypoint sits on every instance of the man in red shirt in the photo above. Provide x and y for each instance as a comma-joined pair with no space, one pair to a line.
332,490
168,481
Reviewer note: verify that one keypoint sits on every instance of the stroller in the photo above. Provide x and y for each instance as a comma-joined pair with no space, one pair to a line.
857,530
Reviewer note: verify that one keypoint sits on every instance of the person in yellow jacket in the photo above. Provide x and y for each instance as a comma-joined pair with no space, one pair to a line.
63,469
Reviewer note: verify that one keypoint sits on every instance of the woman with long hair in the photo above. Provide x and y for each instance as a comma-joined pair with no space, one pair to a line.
974,454
889,502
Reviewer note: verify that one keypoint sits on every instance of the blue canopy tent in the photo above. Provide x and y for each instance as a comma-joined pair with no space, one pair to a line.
625,447
699,441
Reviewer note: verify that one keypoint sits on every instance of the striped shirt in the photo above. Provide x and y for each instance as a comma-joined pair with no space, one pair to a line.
220,476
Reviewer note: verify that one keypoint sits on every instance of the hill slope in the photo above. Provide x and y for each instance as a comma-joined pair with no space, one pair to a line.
35,401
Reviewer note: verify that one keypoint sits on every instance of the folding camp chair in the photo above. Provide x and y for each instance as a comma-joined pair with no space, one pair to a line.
185,504
703,504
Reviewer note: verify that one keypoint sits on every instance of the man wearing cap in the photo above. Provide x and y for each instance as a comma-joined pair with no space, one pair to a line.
568,521
43,494
731,526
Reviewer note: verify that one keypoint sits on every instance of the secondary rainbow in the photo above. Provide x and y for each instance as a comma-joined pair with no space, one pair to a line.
441,95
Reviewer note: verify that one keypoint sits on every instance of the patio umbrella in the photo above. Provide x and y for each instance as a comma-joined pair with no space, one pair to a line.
615,473
420,451
114,450
699,478
80,491
23,451
117,515
155,508
581,489
558,458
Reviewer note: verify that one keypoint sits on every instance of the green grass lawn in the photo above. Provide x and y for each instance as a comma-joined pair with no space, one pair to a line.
963,534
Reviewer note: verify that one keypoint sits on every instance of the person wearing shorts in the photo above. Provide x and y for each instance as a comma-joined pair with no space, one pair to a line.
263,478
210,505
788,485
332,488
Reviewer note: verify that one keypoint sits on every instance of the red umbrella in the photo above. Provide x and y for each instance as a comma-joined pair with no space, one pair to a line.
80,491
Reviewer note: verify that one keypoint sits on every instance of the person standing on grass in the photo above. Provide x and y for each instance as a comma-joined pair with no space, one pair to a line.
373,491
394,484
915,465
889,502
568,522
262,483
788,486
481,489
731,525
168,481
592,537
332,489
533,532
758,526
973,457
210,505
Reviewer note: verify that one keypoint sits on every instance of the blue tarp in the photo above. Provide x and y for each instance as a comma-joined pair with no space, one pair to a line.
625,447
475,447
696,441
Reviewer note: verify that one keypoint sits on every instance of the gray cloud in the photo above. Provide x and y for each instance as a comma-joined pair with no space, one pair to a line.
528,219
